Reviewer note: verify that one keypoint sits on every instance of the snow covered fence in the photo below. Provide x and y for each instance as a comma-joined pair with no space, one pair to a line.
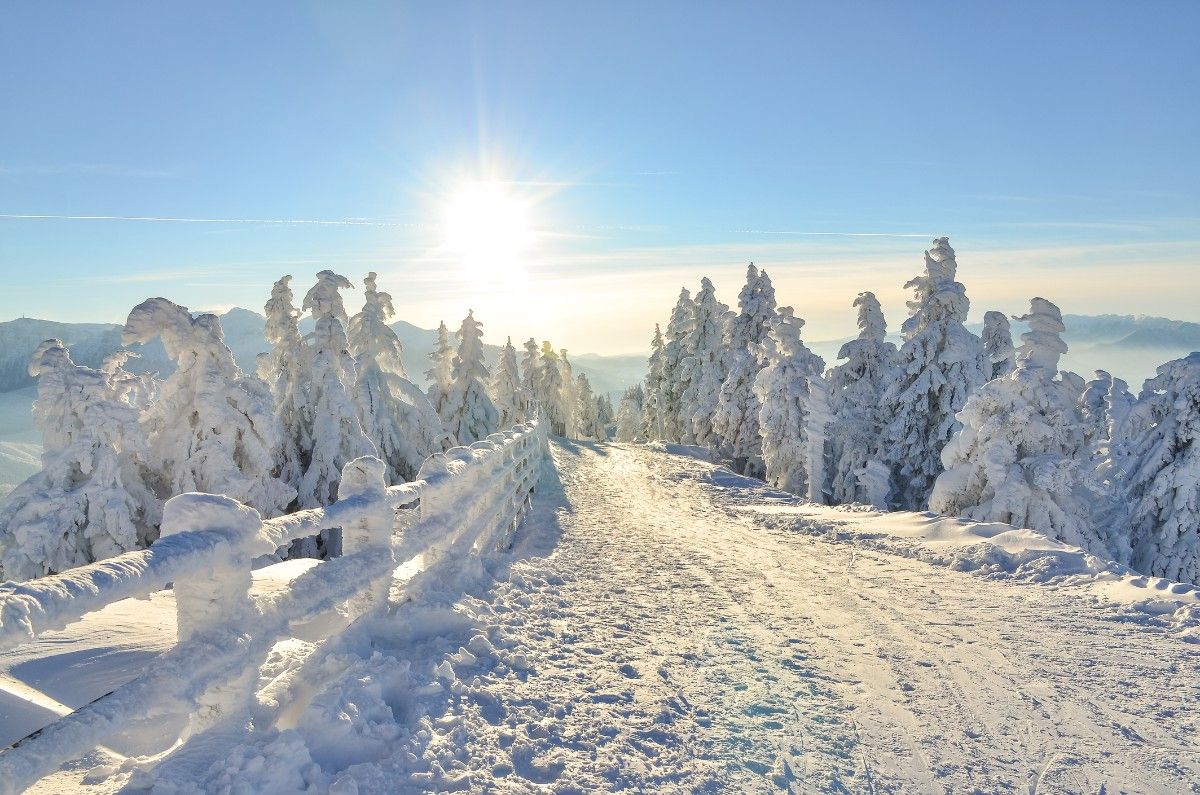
465,502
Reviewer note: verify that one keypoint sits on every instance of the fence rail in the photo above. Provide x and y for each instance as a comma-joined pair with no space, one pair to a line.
464,503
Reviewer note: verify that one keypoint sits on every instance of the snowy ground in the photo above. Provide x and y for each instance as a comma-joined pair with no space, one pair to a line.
666,626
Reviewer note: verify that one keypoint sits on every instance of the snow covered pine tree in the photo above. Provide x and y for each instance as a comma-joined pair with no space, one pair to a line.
469,411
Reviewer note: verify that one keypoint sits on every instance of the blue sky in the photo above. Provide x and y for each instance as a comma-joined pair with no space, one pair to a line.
656,143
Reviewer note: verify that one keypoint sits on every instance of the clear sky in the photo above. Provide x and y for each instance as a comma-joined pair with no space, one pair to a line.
646,144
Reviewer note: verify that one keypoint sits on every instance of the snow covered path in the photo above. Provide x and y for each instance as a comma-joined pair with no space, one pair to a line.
659,628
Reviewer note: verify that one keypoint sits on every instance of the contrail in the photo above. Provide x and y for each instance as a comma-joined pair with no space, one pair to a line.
163,219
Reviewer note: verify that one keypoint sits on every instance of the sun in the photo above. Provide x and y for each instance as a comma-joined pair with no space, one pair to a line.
487,229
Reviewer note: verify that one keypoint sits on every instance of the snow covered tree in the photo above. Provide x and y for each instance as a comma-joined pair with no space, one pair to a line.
631,414
550,390
506,388
287,370
441,374
89,501
674,353
736,417
569,399
1161,482
998,345
1021,456
653,415
338,436
531,364
794,410
940,365
703,368
213,428
856,388
605,415
395,415
470,413
588,421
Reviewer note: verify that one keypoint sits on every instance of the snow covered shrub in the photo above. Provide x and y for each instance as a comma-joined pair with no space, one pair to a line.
939,365
1161,478
213,428
1021,456
794,410
89,502
469,411
856,388
703,367
735,421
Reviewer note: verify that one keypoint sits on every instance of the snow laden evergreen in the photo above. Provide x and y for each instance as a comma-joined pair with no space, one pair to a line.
470,413
606,416
338,436
794,410
441,374
287,369
736,419
703,368
654,419
569,400
1161,482
213,428
531,365
587,411
1021,456
550,390
631,415
856,387
998,345
395,415
939,365
507,393
89,501
674,383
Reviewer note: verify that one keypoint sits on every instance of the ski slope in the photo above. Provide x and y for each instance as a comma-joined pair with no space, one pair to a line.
663,625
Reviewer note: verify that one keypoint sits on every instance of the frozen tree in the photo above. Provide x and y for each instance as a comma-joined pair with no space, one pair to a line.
89,501
605,415
653,416
794,410
213,428
569,400
1161,481
531,364
1021,455
856,388
396,416
630,415
586,410
287,370
736,417
703,368
506,388
550,390
338,436
939,365
674,383
470,412
441,374
998,345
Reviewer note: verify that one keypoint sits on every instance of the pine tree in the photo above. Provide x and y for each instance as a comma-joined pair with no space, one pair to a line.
939,365
586,410
338,435
653,414
998,345
287,369
213,428
630,415
1021,456
550,390
674,352
568,399
89,501
856,388
794,410
736,418
605,415
531,365
441,374
506,391
703,368
1161,484
471,414
396,416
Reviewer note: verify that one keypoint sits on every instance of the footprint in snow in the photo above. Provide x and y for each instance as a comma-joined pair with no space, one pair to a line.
629,671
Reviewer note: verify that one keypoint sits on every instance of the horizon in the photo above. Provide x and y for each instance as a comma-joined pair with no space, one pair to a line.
476,163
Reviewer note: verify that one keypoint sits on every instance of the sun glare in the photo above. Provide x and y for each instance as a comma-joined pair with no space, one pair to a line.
487,229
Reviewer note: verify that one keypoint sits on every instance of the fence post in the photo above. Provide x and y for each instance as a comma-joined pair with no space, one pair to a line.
363,479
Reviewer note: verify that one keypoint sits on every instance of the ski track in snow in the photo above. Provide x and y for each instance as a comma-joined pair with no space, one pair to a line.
647,636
